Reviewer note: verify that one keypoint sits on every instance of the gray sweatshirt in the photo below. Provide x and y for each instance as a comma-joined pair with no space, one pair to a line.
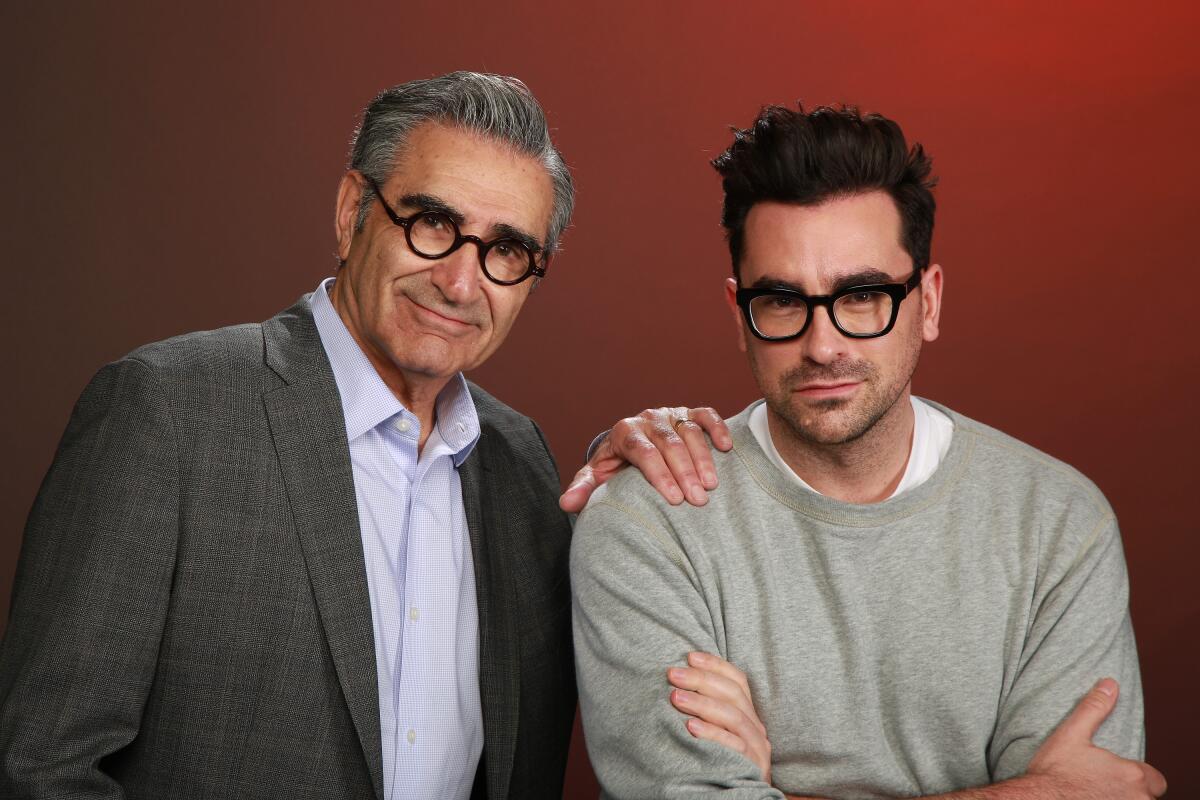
923,644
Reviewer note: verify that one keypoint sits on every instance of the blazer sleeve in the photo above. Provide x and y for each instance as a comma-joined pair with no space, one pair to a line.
91,593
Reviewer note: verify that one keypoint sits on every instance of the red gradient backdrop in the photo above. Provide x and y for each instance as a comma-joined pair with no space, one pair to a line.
169,169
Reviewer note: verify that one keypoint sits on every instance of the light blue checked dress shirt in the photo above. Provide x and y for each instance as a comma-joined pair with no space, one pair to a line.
419,570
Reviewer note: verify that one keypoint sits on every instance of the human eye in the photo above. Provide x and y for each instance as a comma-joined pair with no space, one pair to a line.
511,250
779,302
777,305
860,298
434,222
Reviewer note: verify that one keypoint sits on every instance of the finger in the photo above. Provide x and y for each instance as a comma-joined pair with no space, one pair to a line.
632,445
1083,722
721,714
703,730
677,455
715,687
706,682
699,450
714,733
708,419
712,663
576,496
718,665
1156,782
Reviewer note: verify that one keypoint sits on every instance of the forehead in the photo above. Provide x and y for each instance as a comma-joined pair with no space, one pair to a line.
813,245
487,180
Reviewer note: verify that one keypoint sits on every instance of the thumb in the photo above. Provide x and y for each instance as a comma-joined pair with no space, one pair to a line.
1093,709
576,496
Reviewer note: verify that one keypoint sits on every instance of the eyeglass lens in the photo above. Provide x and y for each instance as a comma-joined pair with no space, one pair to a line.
434,234
859,312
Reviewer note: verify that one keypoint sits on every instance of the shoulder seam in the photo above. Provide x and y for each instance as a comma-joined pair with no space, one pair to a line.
1059,467
664,541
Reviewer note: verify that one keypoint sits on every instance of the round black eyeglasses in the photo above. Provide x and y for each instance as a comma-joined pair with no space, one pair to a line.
860,312
435,234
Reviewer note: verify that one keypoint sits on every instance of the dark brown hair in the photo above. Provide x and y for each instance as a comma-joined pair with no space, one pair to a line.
809,157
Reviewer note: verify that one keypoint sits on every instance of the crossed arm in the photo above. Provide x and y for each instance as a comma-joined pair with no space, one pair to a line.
716,697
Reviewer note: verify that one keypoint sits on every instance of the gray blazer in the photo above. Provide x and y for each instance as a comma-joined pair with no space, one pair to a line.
190,616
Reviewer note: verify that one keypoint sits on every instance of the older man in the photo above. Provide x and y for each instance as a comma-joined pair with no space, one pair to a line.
306,558
913,600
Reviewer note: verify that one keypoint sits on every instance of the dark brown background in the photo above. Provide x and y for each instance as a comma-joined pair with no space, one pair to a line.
167,170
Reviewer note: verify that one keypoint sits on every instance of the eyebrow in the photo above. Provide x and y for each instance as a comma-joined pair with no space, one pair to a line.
864,276
501,230
507,231
427,202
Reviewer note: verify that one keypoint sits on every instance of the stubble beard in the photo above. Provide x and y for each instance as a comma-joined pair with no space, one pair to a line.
835,422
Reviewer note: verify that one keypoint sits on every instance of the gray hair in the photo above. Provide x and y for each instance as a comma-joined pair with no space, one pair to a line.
494,105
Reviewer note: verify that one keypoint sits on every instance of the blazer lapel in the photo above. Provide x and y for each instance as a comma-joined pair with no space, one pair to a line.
308,427
499,677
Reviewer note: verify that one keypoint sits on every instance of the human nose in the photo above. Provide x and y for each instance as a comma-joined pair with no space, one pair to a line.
822,343
457,275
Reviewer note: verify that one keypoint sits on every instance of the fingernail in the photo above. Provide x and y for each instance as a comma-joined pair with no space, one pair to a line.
697,657
675,674
1105,686
692,724
697,496
674,495
681,698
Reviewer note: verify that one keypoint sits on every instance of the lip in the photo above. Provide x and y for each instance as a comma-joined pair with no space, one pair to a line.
452,324
827,391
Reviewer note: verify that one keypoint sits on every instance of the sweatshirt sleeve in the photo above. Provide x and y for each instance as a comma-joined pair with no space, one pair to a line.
638,610
1079,631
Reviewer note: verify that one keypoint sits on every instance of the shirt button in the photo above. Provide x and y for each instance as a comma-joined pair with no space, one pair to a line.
402,425
414,614
412,736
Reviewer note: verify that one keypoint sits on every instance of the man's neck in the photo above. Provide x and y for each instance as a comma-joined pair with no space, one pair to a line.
865,470
418,393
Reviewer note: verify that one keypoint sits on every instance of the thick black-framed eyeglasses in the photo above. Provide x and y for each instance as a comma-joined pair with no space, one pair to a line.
434,234
860,312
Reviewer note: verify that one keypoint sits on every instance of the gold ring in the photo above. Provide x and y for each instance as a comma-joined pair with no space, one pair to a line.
679,421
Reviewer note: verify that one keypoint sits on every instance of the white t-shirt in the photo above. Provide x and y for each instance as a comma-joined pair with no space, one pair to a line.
932,431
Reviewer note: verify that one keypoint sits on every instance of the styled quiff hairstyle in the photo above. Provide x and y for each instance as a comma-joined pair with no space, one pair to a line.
496,106
807,158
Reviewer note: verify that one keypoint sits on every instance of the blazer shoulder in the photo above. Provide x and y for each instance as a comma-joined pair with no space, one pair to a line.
500,417
233,346
196,369
507,433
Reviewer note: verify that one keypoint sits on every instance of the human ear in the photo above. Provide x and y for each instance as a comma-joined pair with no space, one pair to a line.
931,301
349,194
731,300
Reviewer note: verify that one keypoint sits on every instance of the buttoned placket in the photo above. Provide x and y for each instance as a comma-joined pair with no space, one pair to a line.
426,650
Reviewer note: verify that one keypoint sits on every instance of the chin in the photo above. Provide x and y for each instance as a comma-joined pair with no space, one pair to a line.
432,357
832,434
829,422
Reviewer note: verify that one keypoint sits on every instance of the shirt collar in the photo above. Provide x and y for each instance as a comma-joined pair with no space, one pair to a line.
366,399
457,421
